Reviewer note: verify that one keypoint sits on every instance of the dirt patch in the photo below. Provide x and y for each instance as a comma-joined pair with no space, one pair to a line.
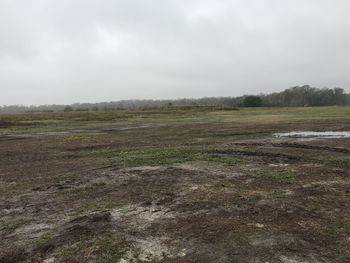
33,230
66,197
327,183
280,156
152,248
14,137
141,216
132,127
296,145
85,227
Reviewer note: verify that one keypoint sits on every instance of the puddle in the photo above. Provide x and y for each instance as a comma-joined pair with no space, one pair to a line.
313,135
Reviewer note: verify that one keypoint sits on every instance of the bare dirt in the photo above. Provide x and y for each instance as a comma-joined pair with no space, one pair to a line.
175,191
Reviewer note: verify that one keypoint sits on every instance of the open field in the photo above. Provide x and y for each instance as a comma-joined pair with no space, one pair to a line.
197,185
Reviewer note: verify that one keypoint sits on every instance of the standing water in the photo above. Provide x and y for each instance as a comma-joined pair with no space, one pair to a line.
314,135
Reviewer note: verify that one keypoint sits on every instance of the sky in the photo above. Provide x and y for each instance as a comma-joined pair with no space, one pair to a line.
66,51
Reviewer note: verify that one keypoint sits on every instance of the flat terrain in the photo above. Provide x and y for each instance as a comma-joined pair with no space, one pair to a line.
195,185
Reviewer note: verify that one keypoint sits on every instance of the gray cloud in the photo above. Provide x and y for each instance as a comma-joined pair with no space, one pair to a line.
63,51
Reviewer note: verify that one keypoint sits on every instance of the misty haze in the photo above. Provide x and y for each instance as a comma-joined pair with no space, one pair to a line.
174,131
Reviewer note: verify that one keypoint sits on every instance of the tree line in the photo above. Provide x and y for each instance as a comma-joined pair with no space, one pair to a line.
304,96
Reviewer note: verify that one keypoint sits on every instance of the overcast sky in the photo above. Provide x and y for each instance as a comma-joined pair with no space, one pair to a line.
65,51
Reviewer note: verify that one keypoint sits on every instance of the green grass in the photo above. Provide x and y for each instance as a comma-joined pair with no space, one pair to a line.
63,121
243,114
104,249
157,156
281,175
340,228
166,156
339,162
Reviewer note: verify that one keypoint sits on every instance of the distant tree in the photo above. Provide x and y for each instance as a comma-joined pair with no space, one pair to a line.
340,97
252,101
68,109
82,109
298,96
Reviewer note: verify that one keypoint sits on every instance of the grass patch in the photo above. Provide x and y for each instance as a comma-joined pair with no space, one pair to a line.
340,162
9,227
103,250
244,135
229,160
277,174
157,156
339,228
166,156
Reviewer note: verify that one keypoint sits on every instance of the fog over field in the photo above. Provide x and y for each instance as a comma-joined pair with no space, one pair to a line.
88,51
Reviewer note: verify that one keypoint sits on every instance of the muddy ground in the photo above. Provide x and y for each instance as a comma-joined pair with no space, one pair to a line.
175,186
